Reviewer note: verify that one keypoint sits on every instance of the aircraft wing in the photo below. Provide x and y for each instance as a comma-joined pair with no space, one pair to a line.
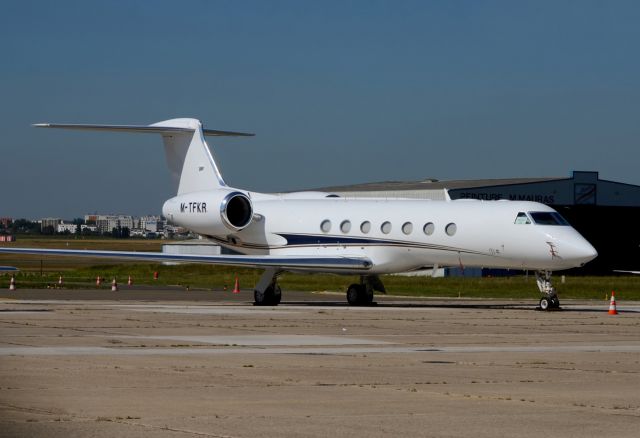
627,272
332,263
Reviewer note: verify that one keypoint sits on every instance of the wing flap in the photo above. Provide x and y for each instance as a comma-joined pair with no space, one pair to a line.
283,262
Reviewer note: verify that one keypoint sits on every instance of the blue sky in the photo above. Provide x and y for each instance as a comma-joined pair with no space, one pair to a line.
337,93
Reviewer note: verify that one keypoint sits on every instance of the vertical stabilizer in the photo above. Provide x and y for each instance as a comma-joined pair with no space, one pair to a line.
190,161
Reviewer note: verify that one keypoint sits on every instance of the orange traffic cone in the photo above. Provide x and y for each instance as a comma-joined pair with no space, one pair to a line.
98,281
12,283
612,305
155,275
114,286
129,281
236,288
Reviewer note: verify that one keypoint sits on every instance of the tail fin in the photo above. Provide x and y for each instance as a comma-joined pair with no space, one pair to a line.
190,161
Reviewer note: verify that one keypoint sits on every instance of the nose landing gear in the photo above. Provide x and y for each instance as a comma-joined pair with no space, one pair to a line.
550,299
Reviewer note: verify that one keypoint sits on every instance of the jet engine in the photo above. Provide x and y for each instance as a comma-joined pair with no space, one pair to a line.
211,212
236,211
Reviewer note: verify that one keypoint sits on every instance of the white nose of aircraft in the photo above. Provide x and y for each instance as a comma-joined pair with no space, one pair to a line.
571,249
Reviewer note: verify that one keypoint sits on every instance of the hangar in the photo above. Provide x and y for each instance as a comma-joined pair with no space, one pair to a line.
607,213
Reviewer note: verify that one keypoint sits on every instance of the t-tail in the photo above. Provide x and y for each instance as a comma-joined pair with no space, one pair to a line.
191,163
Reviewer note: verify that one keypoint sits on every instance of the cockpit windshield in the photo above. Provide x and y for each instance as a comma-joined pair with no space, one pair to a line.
547,218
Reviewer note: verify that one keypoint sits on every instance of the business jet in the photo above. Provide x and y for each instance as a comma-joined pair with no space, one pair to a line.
320,232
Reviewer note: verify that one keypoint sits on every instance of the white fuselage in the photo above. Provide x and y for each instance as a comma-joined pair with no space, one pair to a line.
397,235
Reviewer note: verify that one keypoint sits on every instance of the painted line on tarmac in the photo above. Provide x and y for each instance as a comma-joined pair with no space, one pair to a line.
264,340
128,351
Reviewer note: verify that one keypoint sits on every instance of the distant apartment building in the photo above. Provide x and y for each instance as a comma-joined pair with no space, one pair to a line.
49,222
105,223
150,224
91,228
144,226
172,230
66,227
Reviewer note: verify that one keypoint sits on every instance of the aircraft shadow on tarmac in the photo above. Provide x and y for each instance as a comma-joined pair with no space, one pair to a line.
440,305
406,305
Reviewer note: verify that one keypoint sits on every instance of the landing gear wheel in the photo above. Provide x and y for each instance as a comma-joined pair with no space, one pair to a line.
359,295
353,294
550,298
276,296
260,298
368,297
270,297
545,303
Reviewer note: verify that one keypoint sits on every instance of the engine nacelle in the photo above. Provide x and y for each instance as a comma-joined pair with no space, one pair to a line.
212,212
236,210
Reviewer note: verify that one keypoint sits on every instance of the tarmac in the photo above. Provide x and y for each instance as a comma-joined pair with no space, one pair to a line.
175,363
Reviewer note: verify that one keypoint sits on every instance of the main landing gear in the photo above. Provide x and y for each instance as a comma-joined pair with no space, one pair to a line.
550,299
362,294
267,291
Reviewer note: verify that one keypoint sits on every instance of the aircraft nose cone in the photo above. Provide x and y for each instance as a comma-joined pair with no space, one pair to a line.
589,253
581,253
571,248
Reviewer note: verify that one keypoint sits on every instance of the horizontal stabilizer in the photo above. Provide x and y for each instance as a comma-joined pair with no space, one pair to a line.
283,262
141,129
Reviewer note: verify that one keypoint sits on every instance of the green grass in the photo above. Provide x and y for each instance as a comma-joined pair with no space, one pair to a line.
217,277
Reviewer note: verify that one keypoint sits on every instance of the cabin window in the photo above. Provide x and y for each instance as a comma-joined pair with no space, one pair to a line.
429,228
522,218
365,227
547,218
385,227
407,228
325,226
451,229
345,226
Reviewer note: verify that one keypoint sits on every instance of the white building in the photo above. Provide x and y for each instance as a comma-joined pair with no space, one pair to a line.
91,228
107,222
50,222
150,224
67,228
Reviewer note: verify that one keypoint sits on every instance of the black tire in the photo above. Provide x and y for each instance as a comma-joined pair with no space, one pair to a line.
276,295
270,297
367,296
354,294
555,302
359,295
260,298
545,303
